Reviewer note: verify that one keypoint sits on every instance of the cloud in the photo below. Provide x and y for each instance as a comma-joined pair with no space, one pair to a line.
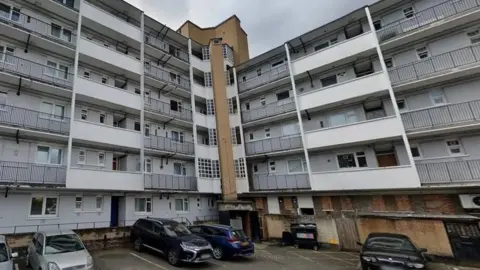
268,23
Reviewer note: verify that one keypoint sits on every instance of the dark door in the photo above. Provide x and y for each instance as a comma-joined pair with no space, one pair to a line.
255,226
159,238
347,233
114,211
464,239
387,160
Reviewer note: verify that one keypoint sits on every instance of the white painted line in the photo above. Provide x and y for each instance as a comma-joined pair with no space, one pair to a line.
148,261
306,258
333,258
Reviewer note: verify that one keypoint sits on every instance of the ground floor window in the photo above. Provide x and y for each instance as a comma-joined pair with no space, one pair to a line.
181,204
143,205
43,206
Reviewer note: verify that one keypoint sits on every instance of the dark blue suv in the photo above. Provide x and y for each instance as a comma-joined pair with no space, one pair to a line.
226,241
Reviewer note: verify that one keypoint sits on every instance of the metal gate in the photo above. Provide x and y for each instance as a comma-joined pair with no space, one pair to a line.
347,233
464,239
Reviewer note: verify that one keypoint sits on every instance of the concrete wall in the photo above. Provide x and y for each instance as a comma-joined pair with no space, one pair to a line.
157,165
436,149
275,130
157,129
270,97
97,74
25,151
264,69
281,166
32,101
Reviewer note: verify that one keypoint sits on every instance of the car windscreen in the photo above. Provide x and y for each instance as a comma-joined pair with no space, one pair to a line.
63,243
3,253
238,234
176,229
383,242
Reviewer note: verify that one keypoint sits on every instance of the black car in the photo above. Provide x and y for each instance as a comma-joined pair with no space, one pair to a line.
391,251
171,239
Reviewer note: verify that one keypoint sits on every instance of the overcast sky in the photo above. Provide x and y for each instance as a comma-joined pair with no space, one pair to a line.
268,23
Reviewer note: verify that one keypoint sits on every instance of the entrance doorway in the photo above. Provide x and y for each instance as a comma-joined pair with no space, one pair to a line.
464,239
114,211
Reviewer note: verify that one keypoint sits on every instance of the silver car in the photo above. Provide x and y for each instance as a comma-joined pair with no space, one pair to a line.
57,250
6,255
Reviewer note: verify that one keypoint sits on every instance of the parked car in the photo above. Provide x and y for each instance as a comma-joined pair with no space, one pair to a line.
226,241
6,255
391,251
170,238
56,250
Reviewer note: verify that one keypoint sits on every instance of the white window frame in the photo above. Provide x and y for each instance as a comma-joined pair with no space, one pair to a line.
421,50
78,203
146,130
86,74
185,205
262,101
80,155
302,164
104,78
239,166
104,116
415,145
272,166
99,159
57,70
355,159
405,109
49,155
44,203
409,14
148,161
12,10
51,115
251,137
267,133
389,59
450,147
84,112
62,32
3,101
441,94
7,50
208,79
183,168
148,200
99,208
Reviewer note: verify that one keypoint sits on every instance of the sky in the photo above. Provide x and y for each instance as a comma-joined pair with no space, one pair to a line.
268,23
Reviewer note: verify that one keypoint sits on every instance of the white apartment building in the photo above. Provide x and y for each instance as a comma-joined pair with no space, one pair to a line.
107,115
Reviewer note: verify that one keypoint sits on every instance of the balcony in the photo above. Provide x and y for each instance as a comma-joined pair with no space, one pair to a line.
79,178
170,182
366,179
204,120
454,172
160,107
266,182
108,94
337,94
165,48
20,173
438,68
278,144
37,72
271,78
169,145
269,110
109,56
167,77
41,32
442,117
345,51
110,21
99,134
34,120
441,17
385,128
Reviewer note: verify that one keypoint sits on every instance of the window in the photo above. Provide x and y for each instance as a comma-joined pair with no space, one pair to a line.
86,74
60,32
101,159
78,202
250,136
147,130
84,114
56,69
437,97
422,53
206,53
148,165
290,129
255,168
352,160
143,205
52,111
208,79
181,205
333,41
389,62
262,101
179,169
146,97
377,25
99,202
210,107
402,105
204,168
49,155
175,105
296,166
120,83
6,53
3,101
415,151
408,12
215,169
330,80
177,136
235,135
82,156
232,105
342,118
271,166
474,36
321,46
212,136
455,147
136,126
105,80
267,133
239,165
9,13
43,206
283,95
259,72
102,118
278,63
247,106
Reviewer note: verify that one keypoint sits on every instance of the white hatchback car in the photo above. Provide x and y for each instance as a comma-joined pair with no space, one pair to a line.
57,250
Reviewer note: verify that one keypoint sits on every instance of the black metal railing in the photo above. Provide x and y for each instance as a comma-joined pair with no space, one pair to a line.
34,120
280,182
272,109
170,182
20,173
168,144
167,77
35,71
158,106
449,171
426,17
274,144
34,25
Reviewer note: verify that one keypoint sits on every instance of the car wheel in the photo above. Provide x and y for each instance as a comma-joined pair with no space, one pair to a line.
138,244
315,247
172,258
217,253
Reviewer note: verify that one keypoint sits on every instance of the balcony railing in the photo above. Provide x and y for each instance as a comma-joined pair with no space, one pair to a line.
435,64
67,3
272,75
450,171
33,120
161,107
35,71
32,174
170,182
272,109
279,182
425,17
167,77
442,115
169,144
166,47
274,144
32,24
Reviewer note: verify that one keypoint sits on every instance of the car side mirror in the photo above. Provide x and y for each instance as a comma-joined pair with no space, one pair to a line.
14,254
359,244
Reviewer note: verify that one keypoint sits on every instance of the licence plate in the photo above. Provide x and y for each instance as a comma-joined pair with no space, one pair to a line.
205,256
305,235
245,244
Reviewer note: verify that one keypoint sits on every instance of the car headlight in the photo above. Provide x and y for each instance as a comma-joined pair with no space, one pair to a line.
369,259
416,265
53,266
188,245
89,261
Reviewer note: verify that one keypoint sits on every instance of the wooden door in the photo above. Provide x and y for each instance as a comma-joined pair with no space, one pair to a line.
347,233
387,160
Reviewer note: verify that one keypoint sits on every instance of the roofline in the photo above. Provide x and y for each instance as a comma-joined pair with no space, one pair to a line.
213,27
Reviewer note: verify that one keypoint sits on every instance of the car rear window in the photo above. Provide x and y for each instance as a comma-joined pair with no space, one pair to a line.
382,242
239,234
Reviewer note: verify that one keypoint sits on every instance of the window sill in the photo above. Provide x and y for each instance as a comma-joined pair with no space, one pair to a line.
142,213
42,218
88,211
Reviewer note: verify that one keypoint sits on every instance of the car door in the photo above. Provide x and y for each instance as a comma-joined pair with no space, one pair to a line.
209,234
38,255
160,237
